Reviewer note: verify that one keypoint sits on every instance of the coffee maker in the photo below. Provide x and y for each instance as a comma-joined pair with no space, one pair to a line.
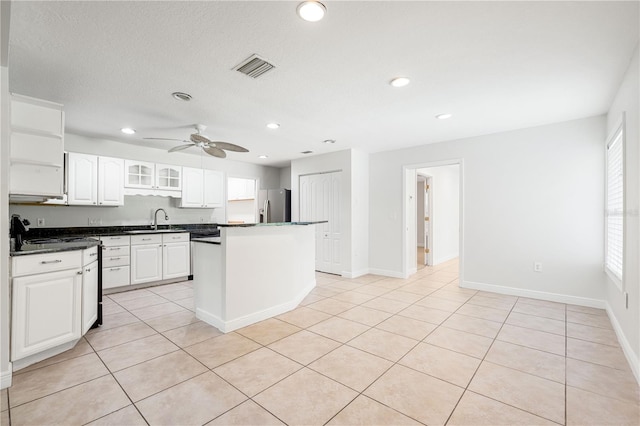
17,230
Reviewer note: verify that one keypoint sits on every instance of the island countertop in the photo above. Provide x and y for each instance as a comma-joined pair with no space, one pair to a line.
246,225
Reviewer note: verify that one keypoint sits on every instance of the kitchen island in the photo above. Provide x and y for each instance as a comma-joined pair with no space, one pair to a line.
252,272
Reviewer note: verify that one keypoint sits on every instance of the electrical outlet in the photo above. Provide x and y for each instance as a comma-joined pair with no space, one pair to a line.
40,221
95,221
537,266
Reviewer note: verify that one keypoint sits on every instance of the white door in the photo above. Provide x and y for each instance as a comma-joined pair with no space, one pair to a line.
45,311
175,260
110,181
89,296
319,201
192,188
82,179
146,263
213,188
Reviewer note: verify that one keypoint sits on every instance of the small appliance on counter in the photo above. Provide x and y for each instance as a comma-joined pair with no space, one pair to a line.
18,228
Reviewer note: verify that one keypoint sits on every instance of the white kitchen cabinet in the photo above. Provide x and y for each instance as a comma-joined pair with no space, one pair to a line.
151,176
241,189
146,258
168,177
202,188
93,180
176,254
89,288
110,181
115,261
36,148
46,311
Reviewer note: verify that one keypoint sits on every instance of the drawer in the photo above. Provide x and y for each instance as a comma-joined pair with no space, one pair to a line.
115,240
111,261
146,239
89,255
175,237
49,262
115,251
117,276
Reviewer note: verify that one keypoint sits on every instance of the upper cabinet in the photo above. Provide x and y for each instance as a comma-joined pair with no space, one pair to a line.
36,149
241,189
94,181
201,188
152,178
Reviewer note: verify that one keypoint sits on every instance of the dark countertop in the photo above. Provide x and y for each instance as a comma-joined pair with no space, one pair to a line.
28,249
246,225
207,240
90,231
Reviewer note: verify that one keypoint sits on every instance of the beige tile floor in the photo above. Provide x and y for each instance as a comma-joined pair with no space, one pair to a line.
370,351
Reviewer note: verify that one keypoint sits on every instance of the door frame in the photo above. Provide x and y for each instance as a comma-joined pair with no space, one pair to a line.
409,173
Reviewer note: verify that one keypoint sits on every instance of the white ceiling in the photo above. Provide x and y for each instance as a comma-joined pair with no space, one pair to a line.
495,66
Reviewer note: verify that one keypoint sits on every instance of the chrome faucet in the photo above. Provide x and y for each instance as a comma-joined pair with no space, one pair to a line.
155,218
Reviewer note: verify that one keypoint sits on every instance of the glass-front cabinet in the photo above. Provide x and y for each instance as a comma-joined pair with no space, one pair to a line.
143,175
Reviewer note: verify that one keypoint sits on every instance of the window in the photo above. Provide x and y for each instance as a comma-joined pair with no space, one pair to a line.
614,213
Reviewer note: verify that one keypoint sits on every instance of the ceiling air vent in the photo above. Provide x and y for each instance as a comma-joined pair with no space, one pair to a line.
254,66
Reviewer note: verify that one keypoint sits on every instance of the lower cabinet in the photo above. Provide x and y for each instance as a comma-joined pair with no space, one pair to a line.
146,263
157,257
89,295
46,312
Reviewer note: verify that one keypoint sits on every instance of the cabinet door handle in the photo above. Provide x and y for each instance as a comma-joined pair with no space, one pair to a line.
115,238
114,269
88,269
46,262
115,258
146,239
79,272
93,254
115,248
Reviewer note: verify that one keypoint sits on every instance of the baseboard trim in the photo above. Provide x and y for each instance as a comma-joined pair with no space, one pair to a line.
236,323
534,294
632,357
355,274
386,273
5,377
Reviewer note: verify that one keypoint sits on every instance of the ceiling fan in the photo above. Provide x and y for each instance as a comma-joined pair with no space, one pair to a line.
215,148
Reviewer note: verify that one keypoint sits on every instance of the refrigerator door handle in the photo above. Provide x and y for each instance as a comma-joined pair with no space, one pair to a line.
266,211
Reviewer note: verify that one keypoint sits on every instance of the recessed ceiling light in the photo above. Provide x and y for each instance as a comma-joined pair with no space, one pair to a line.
273,125
443,116
329,141
400,81
311,11
181,96
128,131
306,152
263,156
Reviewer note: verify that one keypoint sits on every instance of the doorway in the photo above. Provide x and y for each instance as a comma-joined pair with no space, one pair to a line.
432,215
241,200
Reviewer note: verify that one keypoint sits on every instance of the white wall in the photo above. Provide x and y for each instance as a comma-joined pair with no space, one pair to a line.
628,320
445,187
5,366
138,210
354,199
529,195
285,177
359,213
421,213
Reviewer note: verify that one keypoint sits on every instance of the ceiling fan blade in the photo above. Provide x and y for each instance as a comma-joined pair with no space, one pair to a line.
180,147
216,152
196,138
228,146
165,139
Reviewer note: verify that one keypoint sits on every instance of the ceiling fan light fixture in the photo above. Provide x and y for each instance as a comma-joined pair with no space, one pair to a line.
311,11
443,116
400,81
273,126
128,131
181,96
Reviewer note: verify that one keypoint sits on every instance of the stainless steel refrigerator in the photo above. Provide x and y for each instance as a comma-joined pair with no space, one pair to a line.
274,205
